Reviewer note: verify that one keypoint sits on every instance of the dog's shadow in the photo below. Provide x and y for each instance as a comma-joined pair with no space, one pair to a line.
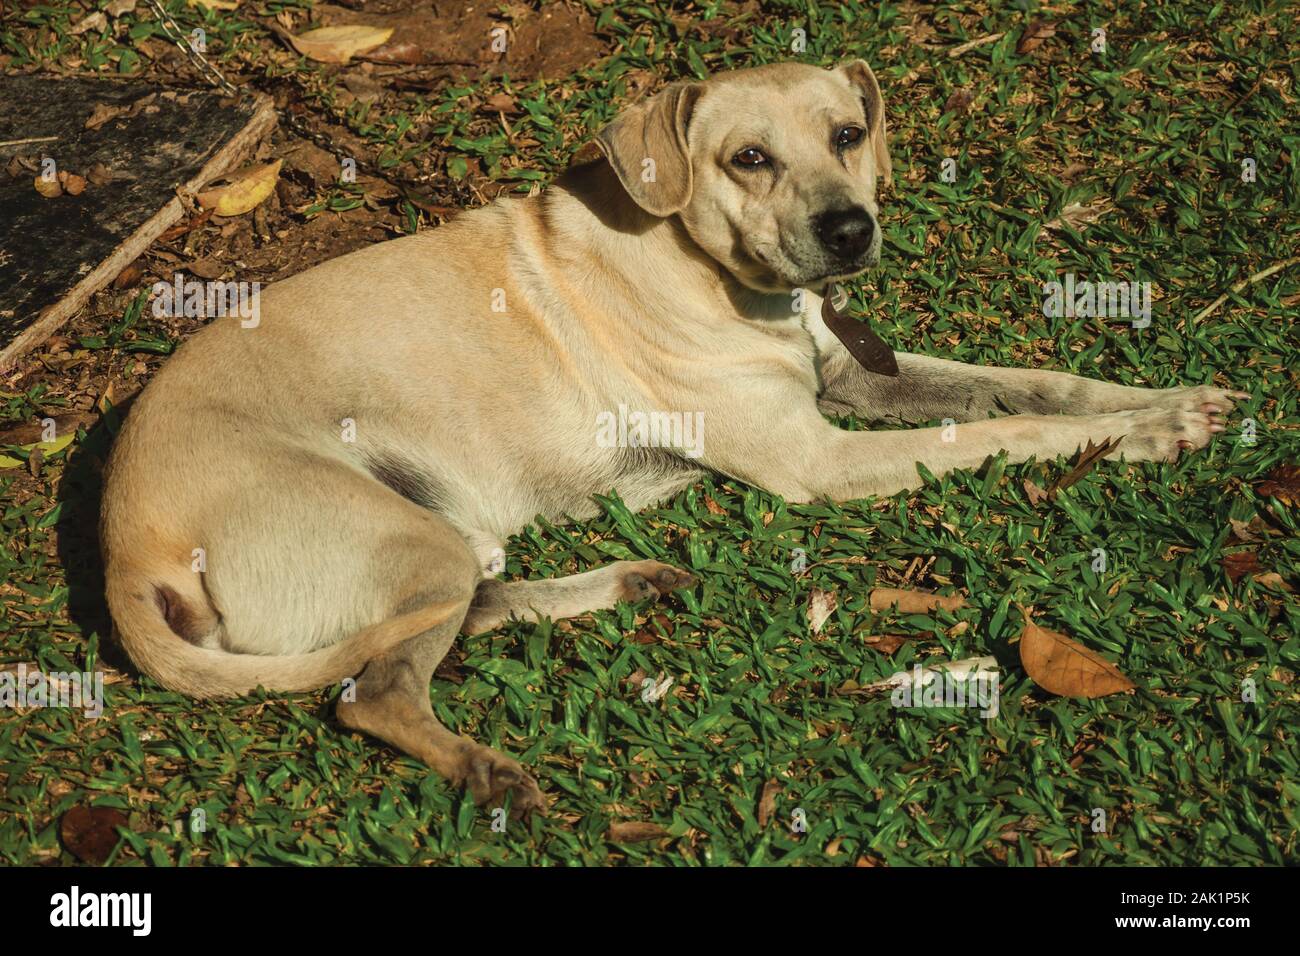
79,497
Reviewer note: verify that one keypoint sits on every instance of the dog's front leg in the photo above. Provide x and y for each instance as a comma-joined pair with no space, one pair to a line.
931,389
801,456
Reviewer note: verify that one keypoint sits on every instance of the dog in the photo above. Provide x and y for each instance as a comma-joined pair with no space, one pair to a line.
321,496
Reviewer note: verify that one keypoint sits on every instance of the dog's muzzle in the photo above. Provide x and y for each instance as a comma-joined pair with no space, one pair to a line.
847,234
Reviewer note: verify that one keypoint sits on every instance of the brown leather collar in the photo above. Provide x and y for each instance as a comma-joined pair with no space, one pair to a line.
863,344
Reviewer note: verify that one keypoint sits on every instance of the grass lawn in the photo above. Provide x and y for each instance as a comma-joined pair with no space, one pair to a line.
763,723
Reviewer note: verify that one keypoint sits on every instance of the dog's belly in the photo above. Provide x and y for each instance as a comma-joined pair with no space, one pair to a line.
490,504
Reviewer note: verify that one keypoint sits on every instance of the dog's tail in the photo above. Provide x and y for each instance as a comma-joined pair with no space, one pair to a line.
149,612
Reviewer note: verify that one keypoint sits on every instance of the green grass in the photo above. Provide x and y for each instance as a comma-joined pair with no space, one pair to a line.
1184,770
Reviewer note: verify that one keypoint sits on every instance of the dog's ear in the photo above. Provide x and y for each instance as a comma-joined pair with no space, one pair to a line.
860,75
646,146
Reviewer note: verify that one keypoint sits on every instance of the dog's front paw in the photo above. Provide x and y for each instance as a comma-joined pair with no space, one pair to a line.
490,776
1163,432
1214,401
642,580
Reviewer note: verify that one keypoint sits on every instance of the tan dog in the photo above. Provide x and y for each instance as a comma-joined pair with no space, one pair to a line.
341,474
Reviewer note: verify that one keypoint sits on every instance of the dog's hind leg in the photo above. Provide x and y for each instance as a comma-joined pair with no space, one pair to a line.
496,602
392,703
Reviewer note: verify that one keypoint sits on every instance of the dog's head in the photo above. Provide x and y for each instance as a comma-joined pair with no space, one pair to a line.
772,170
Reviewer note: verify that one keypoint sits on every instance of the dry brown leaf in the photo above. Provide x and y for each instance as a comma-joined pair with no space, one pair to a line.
1282,483
1036,494
502,103
215,4
821,605
31,432
103,112
130,275
1274,580
119,7
49,188
95,21
767,802
99,175
90,833
885,643
1063,666
1076,216
1034,35
1237,566
913,602
1088,459
713,507
1245,531
340,44
959,102
248,188
634,831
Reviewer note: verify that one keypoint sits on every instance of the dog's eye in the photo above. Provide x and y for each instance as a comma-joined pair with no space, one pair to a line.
848,136
749,157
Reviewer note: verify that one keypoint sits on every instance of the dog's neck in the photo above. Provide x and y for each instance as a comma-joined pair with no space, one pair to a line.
591,194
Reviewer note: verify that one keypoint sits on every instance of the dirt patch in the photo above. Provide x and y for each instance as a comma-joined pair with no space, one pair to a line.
479,39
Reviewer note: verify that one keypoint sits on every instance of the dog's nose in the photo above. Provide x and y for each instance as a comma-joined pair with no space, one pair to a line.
847,233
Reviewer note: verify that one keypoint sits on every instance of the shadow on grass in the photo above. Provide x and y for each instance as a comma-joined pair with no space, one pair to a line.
79,497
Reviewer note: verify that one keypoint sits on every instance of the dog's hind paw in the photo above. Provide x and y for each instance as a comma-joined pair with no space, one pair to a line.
490,776
642,580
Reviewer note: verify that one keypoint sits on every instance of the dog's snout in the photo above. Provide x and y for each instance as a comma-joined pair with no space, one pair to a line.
846,233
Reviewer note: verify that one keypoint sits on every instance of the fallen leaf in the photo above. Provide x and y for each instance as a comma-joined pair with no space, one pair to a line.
49,188
713,507
1035,493
885,643
1282,483
501,103
205,268
1274,580
46,449
656,626
1069,173
633,831
1076,216
99,175
402,52
340,44
363,87
129,276
103,112
919,677
119,7
96,21
32,432
1034,35
821,605
90,833
181,228
1065,667
1088,459
767,802
959,101
1239,565
215,4
1244,531
248,188
913,602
